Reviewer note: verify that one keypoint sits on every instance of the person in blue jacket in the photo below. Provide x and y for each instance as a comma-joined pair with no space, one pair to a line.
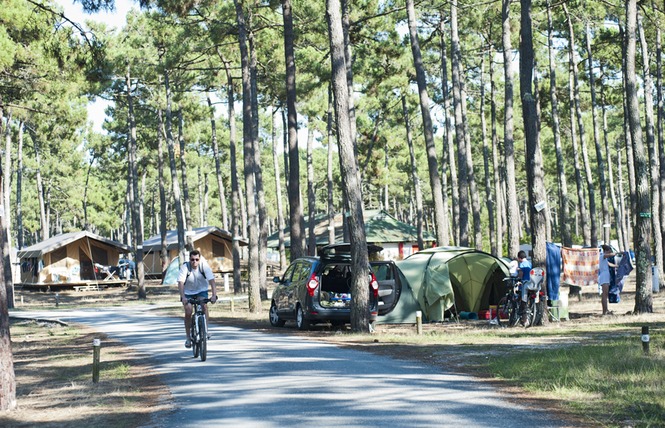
524,266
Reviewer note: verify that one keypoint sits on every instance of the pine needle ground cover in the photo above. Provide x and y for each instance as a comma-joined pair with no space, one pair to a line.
53,366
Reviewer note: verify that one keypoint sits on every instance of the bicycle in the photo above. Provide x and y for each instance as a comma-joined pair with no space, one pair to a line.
199,328
510,304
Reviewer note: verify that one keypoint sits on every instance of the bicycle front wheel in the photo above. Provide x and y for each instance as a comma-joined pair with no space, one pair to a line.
203,337
195,337
514,312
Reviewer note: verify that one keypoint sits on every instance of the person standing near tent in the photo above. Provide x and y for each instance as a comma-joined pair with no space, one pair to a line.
193,280
605,264
524,265
523,272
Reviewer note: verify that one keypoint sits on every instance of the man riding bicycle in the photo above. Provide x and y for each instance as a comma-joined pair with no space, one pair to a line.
193,281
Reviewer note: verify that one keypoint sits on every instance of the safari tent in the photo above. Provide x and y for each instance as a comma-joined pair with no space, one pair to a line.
438,279
215,245
75,258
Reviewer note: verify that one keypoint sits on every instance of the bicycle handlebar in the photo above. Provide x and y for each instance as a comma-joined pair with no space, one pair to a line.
199,301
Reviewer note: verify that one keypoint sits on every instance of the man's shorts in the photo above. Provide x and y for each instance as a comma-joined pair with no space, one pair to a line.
201,295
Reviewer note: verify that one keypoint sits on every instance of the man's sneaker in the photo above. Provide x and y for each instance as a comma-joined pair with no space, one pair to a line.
188,343
209,336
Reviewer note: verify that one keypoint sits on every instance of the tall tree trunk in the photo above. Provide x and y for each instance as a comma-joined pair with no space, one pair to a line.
6,218
43,218
187,210
296,221
348,56
643,297
218,165
630,164
414,177
460,135
349,170
7,177
534,158
512,212
446,163
236,197
432,164
329,168
566,237
534,161
7,375
486,159
134,196
249,165
278,186
652,150
449,165
616,212
498,193
174,172
593,232
161,135
19,186
311,197
582,215
660,118
470,171
258,170
622,198
596,139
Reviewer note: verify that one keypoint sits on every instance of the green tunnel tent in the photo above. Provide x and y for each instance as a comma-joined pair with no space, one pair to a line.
438,278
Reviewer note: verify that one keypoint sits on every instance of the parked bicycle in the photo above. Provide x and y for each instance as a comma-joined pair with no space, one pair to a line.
521,302
508,309
199,332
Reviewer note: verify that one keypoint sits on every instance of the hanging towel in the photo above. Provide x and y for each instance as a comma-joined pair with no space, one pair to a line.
622,271
553,268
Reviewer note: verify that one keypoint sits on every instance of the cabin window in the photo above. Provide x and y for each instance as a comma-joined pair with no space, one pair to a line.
218,249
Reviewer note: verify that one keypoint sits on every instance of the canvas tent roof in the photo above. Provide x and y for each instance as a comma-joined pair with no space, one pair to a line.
58,241
380,227
154,243
439,277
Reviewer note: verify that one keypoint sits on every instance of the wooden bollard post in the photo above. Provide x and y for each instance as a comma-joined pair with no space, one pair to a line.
645,339
419,322
232,304
96,346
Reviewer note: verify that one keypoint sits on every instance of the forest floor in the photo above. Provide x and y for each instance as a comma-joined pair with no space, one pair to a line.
48,397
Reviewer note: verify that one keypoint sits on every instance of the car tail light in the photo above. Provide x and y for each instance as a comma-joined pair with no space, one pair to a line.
312,284
533,272
374,284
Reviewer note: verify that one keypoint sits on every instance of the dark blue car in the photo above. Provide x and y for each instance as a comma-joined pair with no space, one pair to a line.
318,289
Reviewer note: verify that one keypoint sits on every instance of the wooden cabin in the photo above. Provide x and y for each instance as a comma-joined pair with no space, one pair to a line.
215,245
74,259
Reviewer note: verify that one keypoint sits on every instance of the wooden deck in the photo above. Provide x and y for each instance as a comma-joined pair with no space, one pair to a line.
77,286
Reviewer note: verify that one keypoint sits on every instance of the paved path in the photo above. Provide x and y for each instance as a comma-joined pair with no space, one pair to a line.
253,379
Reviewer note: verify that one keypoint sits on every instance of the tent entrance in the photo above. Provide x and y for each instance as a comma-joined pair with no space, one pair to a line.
87,269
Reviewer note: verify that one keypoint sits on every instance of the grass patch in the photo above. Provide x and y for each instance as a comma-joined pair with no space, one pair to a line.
613,382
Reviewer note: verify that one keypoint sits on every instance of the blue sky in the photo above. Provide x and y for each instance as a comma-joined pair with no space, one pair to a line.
116,19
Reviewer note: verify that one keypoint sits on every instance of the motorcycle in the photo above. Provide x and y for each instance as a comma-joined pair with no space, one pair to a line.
531,296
